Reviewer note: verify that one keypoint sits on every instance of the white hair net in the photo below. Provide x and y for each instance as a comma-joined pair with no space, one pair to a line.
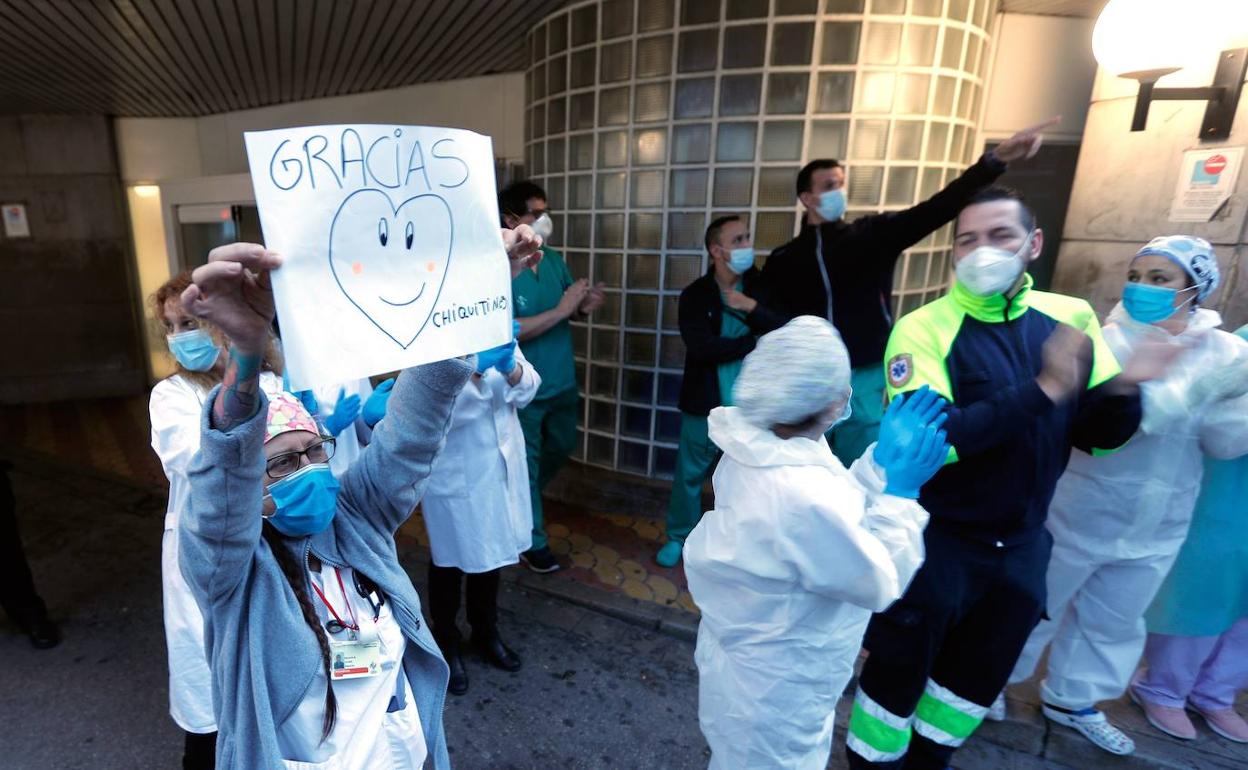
793,373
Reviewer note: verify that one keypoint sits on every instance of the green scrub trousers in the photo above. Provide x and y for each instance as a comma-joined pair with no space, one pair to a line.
695,458
549,427
852,437
697,454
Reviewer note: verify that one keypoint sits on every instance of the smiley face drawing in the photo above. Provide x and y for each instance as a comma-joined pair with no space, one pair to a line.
390,261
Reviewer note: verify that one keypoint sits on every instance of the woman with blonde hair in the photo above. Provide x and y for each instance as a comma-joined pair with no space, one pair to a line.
175,408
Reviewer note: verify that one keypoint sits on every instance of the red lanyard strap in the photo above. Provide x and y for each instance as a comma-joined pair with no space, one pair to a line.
354,624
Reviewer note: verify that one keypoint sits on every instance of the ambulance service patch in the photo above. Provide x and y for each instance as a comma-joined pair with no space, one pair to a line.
900,370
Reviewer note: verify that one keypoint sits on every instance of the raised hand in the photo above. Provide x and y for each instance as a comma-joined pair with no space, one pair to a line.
1067,357
1150,361
1026,143
375,406
573,296
916,463
345,411
906,417
233,292
593,299
524,248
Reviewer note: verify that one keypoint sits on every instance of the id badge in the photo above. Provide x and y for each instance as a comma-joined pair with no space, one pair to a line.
354,659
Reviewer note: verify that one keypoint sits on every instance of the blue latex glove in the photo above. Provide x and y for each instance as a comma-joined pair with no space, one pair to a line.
906,415
345,412
375,406
916,462
502,358
912,447
305,396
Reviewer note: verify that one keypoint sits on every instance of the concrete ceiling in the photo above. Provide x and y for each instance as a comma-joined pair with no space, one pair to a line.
1086,8
164,58
197,57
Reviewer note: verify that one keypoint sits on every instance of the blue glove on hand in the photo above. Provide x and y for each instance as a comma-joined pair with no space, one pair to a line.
305,396
345,412
502,358
906,414
912,447
375,406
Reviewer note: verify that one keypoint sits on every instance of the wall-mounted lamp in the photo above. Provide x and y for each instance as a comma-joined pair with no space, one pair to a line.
146,190
1148,39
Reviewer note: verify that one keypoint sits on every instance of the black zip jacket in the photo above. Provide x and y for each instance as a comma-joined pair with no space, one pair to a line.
859,258
701,311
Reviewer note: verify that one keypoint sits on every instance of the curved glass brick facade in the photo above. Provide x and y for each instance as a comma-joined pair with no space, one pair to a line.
648,118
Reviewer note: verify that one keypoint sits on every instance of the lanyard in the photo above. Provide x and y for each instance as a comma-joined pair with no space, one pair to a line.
354,624
823,269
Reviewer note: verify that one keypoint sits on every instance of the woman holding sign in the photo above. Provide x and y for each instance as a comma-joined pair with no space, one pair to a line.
318,653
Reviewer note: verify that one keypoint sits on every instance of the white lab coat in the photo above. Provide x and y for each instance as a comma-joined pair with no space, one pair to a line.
476,505
1118,520
352,440
787,570
175,409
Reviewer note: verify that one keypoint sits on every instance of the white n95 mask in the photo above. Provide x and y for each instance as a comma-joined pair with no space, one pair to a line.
988,270
543,226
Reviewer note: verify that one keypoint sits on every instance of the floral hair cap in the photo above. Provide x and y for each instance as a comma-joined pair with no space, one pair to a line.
287,413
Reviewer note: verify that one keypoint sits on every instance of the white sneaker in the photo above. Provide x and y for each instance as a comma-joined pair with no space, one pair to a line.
996,712
1093,725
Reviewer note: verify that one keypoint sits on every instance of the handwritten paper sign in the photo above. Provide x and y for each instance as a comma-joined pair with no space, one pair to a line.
390,241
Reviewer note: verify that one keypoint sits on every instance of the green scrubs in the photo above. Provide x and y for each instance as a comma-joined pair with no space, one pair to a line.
696,455
852,437
549,421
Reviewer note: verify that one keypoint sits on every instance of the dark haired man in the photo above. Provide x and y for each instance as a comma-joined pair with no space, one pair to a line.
545,296
721,317
1027,376
851,281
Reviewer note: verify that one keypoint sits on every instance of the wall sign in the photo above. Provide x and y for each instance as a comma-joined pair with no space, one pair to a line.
16,225
1206,180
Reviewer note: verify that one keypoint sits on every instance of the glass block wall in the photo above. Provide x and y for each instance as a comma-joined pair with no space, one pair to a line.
646,119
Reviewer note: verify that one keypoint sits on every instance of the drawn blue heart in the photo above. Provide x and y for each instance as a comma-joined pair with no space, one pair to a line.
391,261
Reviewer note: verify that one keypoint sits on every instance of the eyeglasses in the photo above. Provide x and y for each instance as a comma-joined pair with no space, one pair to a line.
281,466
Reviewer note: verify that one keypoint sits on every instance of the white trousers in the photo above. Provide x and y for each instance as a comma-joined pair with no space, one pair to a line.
1095,625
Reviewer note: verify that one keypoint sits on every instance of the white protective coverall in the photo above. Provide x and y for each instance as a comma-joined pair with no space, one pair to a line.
175,408
476,504
787,570
1118,520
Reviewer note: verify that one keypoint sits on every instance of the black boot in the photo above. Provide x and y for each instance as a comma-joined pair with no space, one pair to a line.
491,647
43,633
458,684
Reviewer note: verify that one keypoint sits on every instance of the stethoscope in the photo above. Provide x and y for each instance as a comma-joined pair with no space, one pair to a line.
369,591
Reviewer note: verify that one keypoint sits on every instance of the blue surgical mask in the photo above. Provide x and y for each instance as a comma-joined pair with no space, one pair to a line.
741,259
832,205
1151,304
195,350
306,501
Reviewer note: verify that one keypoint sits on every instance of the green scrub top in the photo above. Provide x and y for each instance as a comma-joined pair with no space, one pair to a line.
533,293
732,325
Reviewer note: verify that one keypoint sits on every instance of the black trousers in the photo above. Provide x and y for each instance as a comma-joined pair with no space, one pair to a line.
944,651
17,590
445,585
200,752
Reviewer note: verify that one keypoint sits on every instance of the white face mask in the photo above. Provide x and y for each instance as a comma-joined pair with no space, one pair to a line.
543,226
988,270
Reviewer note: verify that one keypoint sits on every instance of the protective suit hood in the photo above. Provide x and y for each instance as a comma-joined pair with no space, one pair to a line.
757,447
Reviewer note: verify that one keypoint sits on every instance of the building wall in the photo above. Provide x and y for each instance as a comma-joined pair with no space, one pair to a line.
1042,67
1124,184
67,306
157,149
